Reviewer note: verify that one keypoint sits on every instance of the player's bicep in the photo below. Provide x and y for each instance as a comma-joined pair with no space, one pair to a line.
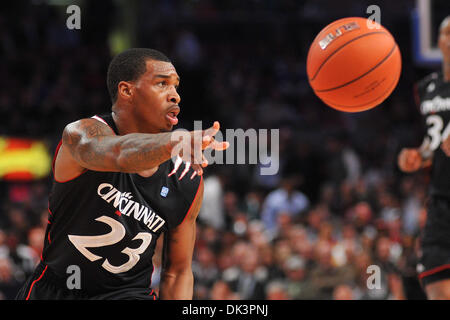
179,243
88,142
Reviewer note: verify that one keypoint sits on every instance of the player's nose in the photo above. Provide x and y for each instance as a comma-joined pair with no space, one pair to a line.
173,96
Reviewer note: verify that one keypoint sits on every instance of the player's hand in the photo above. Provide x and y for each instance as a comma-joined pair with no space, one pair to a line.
409,160
191,147
445,146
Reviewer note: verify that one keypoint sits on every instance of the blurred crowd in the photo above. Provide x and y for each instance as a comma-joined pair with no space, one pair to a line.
338,203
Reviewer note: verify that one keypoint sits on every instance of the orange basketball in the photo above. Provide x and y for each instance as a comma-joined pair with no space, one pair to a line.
353,64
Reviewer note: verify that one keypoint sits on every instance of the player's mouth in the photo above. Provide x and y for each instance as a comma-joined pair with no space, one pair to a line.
171,116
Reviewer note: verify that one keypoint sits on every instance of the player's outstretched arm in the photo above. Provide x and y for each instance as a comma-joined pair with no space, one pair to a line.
94,146
177,280
91,144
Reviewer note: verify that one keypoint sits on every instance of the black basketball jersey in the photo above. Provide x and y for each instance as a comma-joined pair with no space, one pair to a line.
434,96
107,223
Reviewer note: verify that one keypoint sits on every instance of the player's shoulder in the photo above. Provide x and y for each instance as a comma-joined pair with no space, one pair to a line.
92,126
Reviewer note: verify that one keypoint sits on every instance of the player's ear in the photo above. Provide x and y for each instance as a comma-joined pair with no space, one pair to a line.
125,90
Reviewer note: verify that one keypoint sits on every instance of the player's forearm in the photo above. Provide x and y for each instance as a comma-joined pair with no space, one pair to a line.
92,145
137,152
177,286
94,148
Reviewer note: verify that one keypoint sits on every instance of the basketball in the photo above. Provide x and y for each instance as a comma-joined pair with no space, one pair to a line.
353,64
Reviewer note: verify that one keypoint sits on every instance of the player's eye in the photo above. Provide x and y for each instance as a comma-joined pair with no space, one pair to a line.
161,84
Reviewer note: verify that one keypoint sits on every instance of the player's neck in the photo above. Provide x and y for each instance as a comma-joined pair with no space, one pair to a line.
124,122
446,70
123,125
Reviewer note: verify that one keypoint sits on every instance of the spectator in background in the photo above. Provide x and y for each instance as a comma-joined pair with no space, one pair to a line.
277,290
204,268
221,291
388,271
231,208
3,246
414,198
325,276
286,199
248,278
343,292
18,223
9,284
20,255
274,270
298,285
36,242
300,242
212,211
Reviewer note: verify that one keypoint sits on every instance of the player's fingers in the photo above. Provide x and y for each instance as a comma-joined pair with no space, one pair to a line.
186,169
212,130
211,142
206,141
219,146
204,161
198,170
177,164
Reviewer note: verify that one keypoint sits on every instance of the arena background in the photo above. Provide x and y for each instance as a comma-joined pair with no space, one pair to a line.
242,63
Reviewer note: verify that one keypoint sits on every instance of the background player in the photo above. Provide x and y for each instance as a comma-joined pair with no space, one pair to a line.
434,95
116,190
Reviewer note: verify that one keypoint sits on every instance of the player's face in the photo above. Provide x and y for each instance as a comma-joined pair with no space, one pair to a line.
444,40
156,99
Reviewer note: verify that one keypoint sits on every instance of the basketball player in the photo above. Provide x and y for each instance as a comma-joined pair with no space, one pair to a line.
434,96
116,190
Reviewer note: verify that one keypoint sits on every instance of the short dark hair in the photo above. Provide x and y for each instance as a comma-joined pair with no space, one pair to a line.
129,65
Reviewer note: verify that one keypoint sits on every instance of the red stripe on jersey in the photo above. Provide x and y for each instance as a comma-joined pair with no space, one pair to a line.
433,271
34,282
54,156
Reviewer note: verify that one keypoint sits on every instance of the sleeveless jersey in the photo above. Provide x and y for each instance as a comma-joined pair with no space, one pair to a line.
107,224
434,98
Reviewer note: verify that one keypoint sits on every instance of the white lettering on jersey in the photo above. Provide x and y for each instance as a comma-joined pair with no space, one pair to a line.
434,105
125,205
116,234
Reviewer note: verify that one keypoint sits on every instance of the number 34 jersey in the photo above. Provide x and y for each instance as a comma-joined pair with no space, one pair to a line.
107,224
434,95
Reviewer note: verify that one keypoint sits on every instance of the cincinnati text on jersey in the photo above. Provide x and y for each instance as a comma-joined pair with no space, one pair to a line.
436,104
126,206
